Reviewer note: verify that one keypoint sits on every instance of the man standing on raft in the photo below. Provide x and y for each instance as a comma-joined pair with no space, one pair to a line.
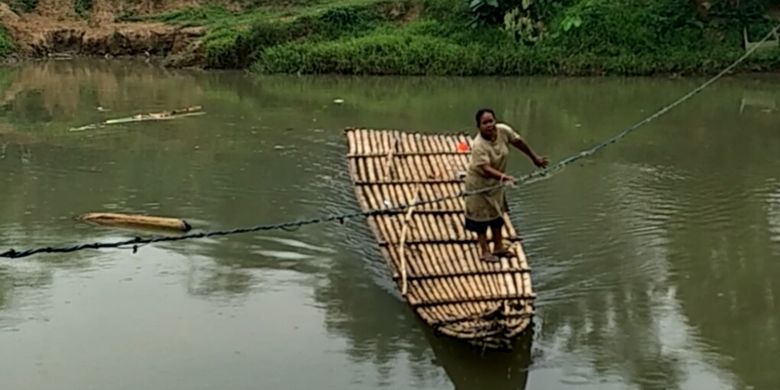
486,169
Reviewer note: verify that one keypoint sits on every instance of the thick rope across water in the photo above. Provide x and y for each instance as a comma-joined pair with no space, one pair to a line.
542,173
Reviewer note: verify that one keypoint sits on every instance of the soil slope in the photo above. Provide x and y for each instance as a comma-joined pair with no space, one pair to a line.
54,28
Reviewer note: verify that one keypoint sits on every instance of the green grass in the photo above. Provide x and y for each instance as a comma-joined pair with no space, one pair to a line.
234,39
432,37
429,47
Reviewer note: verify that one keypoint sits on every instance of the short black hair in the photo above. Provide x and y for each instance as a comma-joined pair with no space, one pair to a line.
483,111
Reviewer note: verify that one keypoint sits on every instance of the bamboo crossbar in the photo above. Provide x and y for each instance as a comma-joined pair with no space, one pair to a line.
435,181
433,260
472,299
477,318
454,275
418,211
442,241
405,154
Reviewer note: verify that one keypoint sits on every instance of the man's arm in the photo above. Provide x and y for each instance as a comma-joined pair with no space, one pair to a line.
495,173
523,146
517,141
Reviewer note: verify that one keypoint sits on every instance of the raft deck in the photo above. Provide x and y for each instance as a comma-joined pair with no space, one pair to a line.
433,259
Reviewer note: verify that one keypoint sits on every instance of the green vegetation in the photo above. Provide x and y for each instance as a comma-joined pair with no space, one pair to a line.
6,44
471,37
234,39
83,8
20,6
483,37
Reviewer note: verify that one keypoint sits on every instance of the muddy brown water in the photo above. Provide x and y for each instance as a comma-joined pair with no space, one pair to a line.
656,262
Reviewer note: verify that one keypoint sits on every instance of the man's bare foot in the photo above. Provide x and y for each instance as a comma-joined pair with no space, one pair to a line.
488,257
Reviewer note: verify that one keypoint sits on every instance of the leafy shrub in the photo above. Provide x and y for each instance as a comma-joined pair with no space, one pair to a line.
83,7
20,6
6,44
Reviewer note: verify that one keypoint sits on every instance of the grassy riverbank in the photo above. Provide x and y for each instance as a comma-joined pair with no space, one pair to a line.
440,37
435,37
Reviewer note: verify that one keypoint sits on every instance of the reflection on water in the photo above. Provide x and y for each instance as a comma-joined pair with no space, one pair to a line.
654,261
773,215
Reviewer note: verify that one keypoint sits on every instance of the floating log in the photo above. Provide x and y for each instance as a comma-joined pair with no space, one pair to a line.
152,116
431,257
134,220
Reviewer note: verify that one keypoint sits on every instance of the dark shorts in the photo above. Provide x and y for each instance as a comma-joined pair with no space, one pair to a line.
481,227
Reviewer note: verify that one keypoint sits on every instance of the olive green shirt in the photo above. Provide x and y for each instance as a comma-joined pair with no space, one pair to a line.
490,205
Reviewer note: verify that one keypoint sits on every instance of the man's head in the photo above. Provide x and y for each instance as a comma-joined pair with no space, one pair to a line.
486,122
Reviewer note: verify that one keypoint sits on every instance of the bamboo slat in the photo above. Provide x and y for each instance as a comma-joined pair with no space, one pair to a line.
432,258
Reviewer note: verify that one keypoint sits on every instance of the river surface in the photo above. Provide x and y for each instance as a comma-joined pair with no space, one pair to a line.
656,262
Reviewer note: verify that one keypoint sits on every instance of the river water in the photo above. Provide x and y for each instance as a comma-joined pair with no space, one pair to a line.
656,261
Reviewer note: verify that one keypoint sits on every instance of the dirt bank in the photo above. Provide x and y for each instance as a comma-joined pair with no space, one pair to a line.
54,28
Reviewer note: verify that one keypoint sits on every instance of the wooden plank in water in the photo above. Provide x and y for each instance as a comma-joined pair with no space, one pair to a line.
431,255
137,221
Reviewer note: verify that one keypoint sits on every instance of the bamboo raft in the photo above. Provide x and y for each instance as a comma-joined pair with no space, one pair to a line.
432,258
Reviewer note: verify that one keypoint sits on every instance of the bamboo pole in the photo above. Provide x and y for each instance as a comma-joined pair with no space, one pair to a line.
430,170
439,191
425,285
135,220
407,197
429,192
353,170
389,160
434,142
398,194
384,138
361,164
509,285
370,177
420,169
402,246
413,263
422,143
401,170
378,196
351,142
371,197
471,257
359,142
412,145
447,267
435,163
